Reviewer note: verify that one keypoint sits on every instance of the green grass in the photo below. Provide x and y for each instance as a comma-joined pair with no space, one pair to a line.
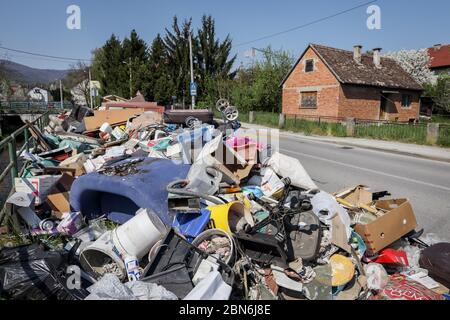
395,132
309,127
407,133
268,119
440,119
444,136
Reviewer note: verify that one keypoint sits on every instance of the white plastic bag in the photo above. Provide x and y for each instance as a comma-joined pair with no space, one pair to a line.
290,167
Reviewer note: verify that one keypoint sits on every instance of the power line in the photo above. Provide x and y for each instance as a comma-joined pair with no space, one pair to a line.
45,55
8,57
307,24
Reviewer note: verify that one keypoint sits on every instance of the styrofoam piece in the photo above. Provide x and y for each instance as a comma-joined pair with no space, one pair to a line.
21,199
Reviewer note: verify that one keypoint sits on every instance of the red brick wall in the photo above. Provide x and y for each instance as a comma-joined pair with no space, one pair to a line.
405,114
364,103
320,80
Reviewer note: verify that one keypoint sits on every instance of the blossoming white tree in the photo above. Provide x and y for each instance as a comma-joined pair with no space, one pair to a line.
416,63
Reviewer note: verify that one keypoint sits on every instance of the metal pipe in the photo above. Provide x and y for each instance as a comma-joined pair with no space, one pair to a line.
13,158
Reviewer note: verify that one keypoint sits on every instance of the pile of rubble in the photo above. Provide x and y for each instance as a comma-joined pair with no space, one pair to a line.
127,204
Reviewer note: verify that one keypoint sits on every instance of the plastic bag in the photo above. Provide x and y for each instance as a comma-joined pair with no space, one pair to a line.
377,277
31,273
109,287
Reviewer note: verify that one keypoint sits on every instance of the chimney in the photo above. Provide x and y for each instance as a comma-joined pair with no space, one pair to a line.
357,53
437,46
377,57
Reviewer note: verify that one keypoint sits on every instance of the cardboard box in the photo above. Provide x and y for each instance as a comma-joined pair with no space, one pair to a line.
75,162
110,116
145,119
58,198
398,220
38,186
357,196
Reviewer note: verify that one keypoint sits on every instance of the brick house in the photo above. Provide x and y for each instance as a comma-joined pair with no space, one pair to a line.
335,83
440,59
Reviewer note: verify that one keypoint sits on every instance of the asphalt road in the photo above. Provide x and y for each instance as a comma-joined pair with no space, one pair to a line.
425,182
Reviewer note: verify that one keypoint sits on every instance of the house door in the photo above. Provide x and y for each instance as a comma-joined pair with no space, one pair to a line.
383,108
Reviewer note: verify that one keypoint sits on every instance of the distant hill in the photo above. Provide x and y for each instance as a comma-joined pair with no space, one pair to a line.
26,75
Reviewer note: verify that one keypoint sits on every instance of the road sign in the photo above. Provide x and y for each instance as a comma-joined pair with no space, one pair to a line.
193,89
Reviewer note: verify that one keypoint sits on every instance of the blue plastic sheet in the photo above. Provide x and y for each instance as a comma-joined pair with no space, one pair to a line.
119,197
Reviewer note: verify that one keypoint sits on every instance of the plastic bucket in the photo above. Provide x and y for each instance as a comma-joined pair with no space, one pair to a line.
102,252
139,234
209,234
245,147
227,217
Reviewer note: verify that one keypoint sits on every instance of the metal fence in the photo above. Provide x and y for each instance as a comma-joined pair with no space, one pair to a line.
385,130
361,128
11,143
24,106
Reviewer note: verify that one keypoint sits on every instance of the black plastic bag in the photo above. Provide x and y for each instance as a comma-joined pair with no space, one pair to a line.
32,273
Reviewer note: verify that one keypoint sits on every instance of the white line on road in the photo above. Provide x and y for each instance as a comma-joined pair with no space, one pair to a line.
368,170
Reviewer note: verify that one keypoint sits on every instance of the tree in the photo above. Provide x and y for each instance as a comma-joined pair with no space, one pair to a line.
136,59
108,67
213,62
416,63
177,47
161,86
258,87
440,92
77,81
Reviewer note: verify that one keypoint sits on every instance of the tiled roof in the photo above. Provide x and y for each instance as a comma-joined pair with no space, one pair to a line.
440,56
348,71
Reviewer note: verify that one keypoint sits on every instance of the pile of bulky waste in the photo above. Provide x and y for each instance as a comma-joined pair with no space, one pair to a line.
126,204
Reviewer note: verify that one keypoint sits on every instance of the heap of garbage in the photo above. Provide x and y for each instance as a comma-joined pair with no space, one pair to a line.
138,204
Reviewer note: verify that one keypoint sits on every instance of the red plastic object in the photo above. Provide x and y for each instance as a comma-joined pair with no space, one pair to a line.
392,257
244,146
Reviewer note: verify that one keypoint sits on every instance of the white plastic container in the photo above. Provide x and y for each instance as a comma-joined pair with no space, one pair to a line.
138,235
95,256
106,128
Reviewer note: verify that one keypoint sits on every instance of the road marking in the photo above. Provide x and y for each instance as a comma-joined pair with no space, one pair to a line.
368,170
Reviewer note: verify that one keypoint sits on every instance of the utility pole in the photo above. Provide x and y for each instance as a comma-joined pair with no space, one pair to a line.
192,69
90,88
61,94
131,89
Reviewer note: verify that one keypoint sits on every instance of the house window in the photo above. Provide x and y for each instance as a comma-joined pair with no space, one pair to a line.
309,100
406,100
309,65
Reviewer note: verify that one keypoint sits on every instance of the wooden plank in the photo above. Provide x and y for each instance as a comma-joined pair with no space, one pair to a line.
36,133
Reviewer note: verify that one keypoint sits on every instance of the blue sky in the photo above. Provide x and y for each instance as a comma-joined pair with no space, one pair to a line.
40,26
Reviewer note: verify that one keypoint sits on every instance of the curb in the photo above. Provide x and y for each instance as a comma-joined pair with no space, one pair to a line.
356,145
